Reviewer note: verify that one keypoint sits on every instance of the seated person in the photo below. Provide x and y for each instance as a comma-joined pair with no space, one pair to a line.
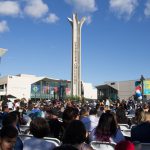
107,129
8,137
12,119
141,131
75,135
121,115
40,129
68,115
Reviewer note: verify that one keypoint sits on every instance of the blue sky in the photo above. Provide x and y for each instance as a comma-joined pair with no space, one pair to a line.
115,38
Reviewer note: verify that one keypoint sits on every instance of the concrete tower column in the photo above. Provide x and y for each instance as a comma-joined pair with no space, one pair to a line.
76,55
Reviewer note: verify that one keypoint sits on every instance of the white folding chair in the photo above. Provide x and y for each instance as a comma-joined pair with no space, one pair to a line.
55,141
24,137
124,126
133,125
126,133
130,116
145,146
97,145
24,129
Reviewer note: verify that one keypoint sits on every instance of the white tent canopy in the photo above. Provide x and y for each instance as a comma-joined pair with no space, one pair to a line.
2,51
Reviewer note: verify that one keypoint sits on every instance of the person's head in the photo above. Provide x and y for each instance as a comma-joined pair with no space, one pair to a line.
84,111
8,137
121,115
139,115
93,111
124,145
70,114
75,133
52,113
39,127
145,107
5,109
10,119
107,127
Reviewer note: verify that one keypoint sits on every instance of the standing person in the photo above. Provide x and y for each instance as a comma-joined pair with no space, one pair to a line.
93,120
84,113
5,101
10,105
121,115
107,103
8,137
5,111
68,115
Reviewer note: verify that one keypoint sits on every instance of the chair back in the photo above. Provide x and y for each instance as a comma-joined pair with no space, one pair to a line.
48,139
97,145
126,133
123,126
53,140
24,129
145,146
24,137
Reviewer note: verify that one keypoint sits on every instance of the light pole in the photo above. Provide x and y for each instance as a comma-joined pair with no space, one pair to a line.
142,79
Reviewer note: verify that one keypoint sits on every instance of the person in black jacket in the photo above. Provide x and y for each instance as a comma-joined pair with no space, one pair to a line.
141,132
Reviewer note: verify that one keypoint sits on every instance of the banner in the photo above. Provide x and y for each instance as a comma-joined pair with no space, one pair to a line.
35,88
46,89
146,87
55,89
68,91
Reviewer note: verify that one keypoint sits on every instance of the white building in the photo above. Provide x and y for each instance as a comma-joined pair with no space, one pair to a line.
20,86
89,91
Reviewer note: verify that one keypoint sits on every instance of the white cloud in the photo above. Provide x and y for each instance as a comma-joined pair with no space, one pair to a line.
88,19
123,8
36,8
84,6
147,9
51,18
3,26
9,8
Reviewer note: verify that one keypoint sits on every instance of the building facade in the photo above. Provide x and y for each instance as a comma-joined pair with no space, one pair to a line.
117,90
33,87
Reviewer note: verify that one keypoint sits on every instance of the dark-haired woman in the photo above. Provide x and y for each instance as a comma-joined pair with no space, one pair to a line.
107,130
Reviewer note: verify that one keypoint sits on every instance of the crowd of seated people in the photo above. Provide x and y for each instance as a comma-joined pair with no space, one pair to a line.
75,125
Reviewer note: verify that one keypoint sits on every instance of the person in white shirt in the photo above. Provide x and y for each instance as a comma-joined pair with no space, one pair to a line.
107,103
40,129
93,119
